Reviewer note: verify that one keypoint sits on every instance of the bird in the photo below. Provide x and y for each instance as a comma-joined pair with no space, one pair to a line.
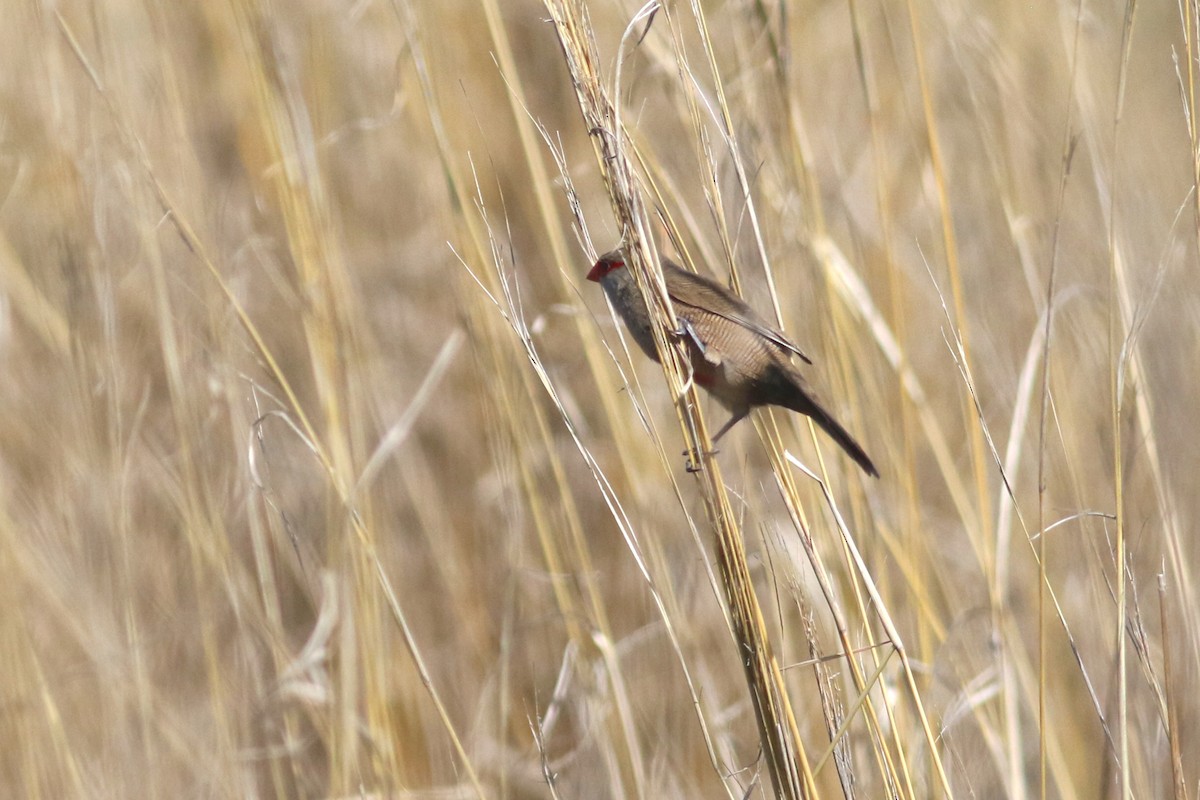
740,358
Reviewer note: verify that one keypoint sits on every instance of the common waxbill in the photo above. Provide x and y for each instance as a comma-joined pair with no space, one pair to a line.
736,355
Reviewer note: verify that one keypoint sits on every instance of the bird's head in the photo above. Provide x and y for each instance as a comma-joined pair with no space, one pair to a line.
606,264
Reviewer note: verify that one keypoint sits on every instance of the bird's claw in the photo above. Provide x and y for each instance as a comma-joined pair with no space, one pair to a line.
687,331
695,465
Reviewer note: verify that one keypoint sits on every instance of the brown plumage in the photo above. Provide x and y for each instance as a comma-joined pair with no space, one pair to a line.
736,355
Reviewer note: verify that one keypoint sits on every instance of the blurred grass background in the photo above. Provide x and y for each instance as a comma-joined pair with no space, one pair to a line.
286,506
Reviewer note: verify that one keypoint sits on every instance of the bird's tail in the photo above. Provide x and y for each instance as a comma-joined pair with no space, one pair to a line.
843,438
799,399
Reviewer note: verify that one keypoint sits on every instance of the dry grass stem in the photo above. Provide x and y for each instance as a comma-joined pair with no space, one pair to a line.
325,472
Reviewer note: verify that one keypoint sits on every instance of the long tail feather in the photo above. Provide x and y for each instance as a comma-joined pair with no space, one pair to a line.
843,438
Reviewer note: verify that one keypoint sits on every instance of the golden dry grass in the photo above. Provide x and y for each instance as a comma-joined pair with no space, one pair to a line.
325,473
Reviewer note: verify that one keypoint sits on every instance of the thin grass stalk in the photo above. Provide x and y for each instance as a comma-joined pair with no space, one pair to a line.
729,134
529,430
1016,665
1126,363
193,242
930,630
518,404
1125,778
1178,782
663,599
124,360
1133,352
1190,11
509,395
978,455
784,754
986,547
305,427
706,162
553,228
830,258
1047,334
540,181
893,778
297,189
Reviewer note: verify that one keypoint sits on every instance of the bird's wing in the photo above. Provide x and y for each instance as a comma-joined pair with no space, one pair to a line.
733,309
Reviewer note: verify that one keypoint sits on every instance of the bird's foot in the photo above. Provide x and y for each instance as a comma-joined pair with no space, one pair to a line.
687,331
695,465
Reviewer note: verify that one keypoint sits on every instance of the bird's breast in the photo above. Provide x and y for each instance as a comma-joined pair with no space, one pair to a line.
627,300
